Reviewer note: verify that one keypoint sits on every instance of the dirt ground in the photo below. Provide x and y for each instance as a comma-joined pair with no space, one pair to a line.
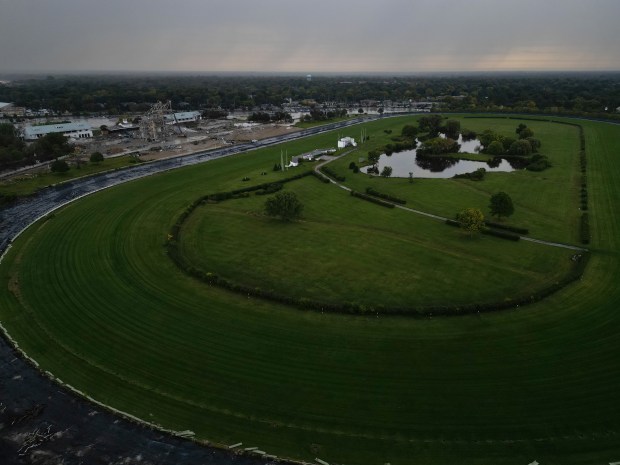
207,135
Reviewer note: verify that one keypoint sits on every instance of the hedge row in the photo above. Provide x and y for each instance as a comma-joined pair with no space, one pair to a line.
369,198
332,174
237,193
477,175
319,177
391,198
585,228
501,234
270,189
489,231
507,227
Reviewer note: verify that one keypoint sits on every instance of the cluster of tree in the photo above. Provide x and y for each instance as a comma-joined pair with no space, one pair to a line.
317,114
438,146
12,148
14,153
577,93
497,144
275,117
284,205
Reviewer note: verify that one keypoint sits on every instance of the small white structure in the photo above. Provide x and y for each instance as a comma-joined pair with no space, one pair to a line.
183,117
346,142
72,130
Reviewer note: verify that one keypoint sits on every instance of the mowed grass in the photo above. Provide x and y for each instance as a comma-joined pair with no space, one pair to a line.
91,295
545,202
348,250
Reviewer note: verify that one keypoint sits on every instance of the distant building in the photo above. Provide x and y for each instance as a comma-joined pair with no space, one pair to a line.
309,77
9,109
346,142
183,117
72,130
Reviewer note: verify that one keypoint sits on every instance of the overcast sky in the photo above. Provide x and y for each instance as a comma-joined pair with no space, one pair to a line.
309,36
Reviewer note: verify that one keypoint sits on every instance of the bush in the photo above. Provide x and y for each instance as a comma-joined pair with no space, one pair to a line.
501,234
391,198
96,157
319,177
59,166
369,198
538,163
477,175
270,189
585,229
332,174
507,227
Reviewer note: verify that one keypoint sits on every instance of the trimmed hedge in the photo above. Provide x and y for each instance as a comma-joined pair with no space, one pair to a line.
369,198
270,189
391,198
489,231
319,177
501,234
332,174
507,227
585,228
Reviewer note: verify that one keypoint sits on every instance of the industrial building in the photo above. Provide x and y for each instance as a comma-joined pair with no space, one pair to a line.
71,130
183,117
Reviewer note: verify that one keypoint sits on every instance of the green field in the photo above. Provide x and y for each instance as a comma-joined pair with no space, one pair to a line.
92,296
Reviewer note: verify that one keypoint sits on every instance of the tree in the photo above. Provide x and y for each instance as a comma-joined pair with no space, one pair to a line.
495,148
59,166
501,205
284,205
373,157
521,147
470,220
430,124
96,157
386,172
525,133
409,131
453,128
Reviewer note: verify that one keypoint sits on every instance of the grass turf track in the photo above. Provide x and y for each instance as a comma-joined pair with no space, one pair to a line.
116,319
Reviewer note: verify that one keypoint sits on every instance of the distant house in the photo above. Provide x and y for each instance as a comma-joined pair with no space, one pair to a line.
183,117
72,130
346,142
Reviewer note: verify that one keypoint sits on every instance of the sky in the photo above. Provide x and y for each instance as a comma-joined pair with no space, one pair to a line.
309,36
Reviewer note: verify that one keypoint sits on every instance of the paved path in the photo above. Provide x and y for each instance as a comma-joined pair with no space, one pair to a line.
441,218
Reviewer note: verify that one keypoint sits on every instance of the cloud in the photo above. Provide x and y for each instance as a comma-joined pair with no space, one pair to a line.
334,35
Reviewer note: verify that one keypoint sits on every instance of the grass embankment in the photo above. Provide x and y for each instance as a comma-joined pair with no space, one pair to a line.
30,182
93,298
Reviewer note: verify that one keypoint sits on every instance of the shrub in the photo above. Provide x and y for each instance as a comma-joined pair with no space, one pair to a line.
585,229
332,174
369,198
391,198
96,157
59,166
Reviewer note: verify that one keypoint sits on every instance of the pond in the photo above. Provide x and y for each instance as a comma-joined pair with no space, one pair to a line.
421,166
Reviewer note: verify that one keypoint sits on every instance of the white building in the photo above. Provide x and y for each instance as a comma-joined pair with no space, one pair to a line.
183,117
346,142
71,130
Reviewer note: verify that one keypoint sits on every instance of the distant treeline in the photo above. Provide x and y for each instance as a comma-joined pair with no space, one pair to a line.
577,93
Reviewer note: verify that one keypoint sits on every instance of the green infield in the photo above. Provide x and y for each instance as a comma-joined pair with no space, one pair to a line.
91,294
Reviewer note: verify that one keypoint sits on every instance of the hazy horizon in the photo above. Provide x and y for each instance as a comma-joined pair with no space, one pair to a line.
322,37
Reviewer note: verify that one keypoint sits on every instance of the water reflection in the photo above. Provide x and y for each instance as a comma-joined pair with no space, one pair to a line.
422,166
